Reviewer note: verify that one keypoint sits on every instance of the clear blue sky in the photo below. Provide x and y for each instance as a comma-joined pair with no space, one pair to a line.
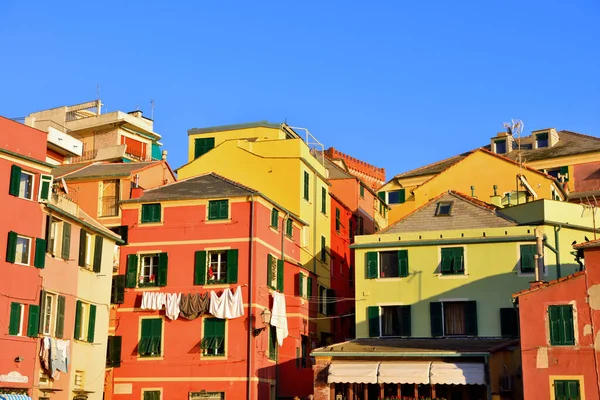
396,83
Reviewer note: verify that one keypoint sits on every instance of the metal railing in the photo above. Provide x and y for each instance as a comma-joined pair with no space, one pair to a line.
109,206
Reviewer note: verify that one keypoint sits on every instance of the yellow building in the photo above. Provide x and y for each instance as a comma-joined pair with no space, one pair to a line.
480,173
275,160
434,295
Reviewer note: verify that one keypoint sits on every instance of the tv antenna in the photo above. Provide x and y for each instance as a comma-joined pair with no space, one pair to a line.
516,127
152,109
591,204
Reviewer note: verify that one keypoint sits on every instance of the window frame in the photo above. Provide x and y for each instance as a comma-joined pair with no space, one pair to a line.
361,191
219,216
323,200
153,268
562,341
533,261
543,138
32,175
21,318
500,141
401,193
30,241
338,222
323,249
306,186
566,381
89,250
162,338
222,258
274,218
223,345
453,271
440,205
289,228
152,219
50,316
403,329
273,351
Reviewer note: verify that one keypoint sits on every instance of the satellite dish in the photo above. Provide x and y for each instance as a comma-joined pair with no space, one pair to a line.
64,185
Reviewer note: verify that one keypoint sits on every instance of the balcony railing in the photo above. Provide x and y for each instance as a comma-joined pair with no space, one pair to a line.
137,154
110,206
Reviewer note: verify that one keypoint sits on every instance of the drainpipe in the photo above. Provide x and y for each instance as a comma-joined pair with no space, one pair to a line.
556,245
250,308
287,215
488,378
539,254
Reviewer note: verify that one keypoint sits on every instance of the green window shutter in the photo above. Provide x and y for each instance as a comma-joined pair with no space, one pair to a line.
280,275
560,390
323,249
115,354
573,390
509,322
39,260
213,210
362,191
79,306
301,285
45,185
402,196
568,333
145,337
309,286
274,218
15,319
113,290
372,258
163,264
98,253
224,209
381,196
151,213
145,213
91,324
156,336
527,257
60,317
232,266
289,227
65,251
403,263
82,247
11,247
132,265
47,232
459,260
200,268
120,296
33,320
436,319
405,321
269,271
447,260
306,185
324,200
337,219
554,322
42,310
373,317
471,318
15,180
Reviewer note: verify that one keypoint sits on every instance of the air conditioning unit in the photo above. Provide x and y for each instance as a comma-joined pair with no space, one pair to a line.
506,383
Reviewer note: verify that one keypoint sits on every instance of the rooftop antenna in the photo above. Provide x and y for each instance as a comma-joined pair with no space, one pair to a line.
152,109
98,91
512,127
592,204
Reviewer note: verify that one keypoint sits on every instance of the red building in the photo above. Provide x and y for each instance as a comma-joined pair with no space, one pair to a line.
25,182
195,236
559,323
342,270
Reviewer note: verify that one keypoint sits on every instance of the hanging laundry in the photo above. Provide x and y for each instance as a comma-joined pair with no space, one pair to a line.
235,306
153,301
228,305
63,348
203,303
193,305
45,353
172,309
217,304
279,317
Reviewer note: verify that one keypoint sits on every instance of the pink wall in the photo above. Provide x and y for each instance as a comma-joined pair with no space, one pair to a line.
23,139
586,176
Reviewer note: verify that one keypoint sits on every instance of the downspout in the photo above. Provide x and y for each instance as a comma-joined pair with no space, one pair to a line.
556,245
250,307
539,255
283,221
488,377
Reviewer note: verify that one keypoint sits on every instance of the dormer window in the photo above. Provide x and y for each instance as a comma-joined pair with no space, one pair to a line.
500,146
444,208
541,140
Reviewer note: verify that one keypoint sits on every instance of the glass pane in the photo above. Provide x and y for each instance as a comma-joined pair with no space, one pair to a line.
390,321
25,187
389,264
454,318
217,268
22,250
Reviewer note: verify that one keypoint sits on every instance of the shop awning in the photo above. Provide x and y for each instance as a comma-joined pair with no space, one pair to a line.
353,372
404,372
14,397
457,373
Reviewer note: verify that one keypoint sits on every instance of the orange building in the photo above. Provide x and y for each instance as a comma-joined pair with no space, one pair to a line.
193,237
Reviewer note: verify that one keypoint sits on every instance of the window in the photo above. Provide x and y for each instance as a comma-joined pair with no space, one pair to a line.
51,314
45,187
15,326
213,340
326,301
79,380
443,208
216,267
289,228
396,197
48,307
500,146
113,352
304,286
203,146
528,252
306,185
150,344
218,209
23,250
90,251
562,332
150,213
275,271
541,140
395,321
85,321
567,390
117,292
273,345
453,318
148,270
18,250
53,228
109,200
452,261
509,322
360,228
387,264
362,191
324,200
274,218
153,270
21,183
323,249
338,223
152,394
563,174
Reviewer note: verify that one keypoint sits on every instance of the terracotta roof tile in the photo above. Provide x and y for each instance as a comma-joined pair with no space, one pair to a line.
543,285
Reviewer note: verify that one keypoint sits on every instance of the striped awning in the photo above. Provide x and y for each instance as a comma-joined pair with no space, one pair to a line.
353,372
404,372
14,397
457,373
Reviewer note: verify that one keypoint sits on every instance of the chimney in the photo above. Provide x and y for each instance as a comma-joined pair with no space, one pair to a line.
136,192
136,113
164,155
496,199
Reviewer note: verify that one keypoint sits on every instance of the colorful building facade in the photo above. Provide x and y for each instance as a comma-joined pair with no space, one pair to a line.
559,321
210,234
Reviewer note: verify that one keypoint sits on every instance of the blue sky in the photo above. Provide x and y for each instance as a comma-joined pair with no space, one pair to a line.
398,84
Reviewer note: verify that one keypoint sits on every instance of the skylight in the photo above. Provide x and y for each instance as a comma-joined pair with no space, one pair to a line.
443,208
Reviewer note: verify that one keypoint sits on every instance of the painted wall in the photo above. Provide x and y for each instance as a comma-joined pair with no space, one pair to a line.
586,176
544,363
183,368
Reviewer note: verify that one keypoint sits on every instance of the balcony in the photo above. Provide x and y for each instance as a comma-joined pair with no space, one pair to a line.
109,206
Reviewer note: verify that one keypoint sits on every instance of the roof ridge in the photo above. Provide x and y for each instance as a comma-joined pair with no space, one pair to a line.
578,134
466,153
232,182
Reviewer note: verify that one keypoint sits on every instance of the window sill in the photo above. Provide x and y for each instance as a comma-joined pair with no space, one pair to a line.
146,289
392,279
453,276
150,358
216,358
150,224
272,360
218,221
86,269
24,265
83,341
276,230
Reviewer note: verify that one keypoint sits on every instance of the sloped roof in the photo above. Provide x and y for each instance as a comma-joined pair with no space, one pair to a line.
232,127
100,170
388,346
466,213
569,144
205,186
542,285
